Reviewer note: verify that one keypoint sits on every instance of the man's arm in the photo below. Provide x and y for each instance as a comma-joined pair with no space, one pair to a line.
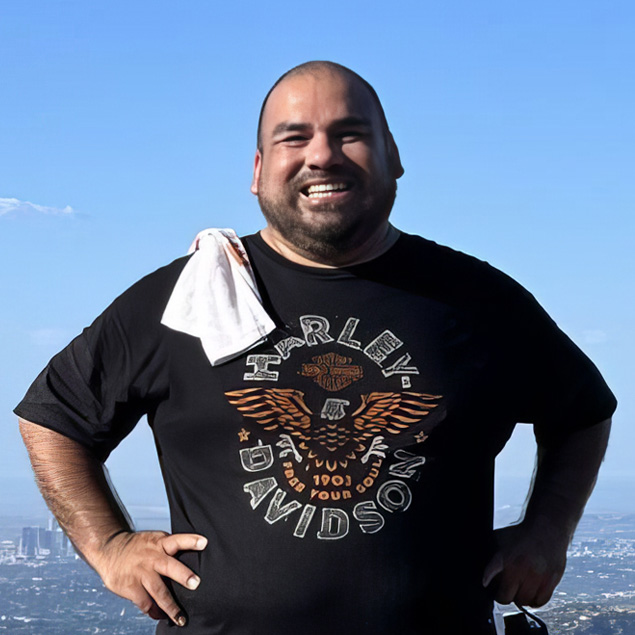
75,486
532,555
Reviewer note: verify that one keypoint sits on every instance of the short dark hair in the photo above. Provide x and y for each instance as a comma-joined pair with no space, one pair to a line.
317,66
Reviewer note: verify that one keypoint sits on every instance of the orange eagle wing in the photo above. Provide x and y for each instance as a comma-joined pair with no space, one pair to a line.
273,408
391,412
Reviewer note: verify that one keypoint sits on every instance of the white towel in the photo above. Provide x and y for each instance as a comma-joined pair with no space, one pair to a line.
216,298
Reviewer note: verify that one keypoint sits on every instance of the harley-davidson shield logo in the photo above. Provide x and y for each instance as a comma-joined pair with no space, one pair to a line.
332,372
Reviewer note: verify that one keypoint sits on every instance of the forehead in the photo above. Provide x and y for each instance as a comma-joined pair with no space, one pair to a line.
318,99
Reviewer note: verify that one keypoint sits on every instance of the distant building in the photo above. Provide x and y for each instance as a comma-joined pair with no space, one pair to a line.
30,542
40,542
44,541
8,549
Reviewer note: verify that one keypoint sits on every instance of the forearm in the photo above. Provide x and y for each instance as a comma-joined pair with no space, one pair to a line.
565,476
532,555
76,488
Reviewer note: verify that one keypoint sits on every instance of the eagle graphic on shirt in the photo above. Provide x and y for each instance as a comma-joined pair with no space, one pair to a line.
332,452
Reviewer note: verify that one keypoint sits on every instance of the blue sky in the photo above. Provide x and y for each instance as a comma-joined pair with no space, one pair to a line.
127,127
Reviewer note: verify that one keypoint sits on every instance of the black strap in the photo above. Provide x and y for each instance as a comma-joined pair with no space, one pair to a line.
533,617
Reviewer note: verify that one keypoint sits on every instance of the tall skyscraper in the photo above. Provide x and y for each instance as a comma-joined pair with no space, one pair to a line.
30,544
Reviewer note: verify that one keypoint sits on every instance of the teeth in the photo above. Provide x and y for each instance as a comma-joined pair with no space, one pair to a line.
319,191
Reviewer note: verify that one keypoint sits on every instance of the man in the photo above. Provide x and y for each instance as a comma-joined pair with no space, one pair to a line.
338,477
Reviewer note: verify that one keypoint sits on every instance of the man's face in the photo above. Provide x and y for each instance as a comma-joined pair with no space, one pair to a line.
326,172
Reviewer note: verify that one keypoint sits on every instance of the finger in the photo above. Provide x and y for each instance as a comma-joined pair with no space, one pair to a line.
144,602
183,542
545,592
507,590
161,595
528,590
156,613
177,571
540,599
536,585
493,568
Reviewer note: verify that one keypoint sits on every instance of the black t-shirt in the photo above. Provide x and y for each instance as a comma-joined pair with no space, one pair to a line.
342,471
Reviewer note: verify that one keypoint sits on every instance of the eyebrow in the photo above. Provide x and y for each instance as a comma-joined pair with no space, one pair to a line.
289,126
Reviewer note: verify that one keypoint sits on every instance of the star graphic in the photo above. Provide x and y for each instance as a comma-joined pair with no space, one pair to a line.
243,435
420,437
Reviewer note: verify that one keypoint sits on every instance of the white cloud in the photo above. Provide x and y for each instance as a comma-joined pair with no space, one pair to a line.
11,206
594,336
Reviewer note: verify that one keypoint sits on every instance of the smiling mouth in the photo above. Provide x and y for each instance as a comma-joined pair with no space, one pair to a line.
324,190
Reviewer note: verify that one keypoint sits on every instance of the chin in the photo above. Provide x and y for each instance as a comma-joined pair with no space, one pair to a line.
329,230
330,241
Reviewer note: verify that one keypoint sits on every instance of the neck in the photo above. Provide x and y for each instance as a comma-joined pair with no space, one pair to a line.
377,244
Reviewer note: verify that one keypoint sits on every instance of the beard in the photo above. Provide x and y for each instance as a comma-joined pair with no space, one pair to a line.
329,230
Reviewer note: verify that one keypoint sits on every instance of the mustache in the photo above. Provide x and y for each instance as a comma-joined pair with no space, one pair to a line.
301,180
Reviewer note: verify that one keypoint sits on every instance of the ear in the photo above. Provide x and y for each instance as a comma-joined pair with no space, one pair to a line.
393,156
255,182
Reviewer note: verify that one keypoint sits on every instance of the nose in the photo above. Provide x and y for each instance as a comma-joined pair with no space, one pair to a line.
323,152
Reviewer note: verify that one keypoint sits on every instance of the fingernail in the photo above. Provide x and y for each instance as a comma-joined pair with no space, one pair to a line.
180,620
201,543
193,582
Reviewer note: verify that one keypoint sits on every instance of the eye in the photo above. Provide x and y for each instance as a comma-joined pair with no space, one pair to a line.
294,139
350,135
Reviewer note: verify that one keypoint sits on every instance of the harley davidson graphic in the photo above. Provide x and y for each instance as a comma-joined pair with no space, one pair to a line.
345,458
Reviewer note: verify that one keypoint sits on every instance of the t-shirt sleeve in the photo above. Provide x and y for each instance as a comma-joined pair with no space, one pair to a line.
554,384
97,388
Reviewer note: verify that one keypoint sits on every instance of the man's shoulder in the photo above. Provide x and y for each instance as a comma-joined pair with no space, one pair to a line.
452,272
148,296
161,280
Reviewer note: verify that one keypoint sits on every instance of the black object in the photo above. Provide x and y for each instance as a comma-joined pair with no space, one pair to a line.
524,623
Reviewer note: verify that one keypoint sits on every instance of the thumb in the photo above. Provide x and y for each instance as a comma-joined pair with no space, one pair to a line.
493,568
